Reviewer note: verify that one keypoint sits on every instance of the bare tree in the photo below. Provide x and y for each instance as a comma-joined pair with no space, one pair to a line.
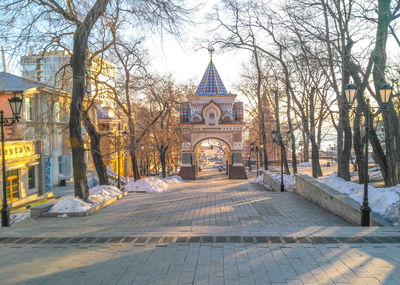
74,23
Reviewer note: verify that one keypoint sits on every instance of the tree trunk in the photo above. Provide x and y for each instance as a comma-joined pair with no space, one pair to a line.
392,132
135,169
285,160
319,130
95,150
280,138
306,147
132,147
261,111
163,152
316,166
344,142
292,137
78,61
373,138
359,147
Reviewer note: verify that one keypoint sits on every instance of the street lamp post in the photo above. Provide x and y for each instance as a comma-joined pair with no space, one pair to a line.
260,154
15,104
117,133
280,141
251,150
257,159
385,91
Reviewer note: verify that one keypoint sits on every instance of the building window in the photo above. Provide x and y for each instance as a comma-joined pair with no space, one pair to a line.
57,112
28,109
31,177
12,185
60,165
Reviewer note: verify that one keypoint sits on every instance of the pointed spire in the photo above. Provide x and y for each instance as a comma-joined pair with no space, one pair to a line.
211,83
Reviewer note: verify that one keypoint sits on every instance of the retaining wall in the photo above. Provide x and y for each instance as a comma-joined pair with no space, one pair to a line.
274,184
333,201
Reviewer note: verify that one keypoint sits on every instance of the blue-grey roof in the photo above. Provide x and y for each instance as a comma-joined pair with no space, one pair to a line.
13,83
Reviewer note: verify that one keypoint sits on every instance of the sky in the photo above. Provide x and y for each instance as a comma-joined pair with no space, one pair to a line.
186,58
187,62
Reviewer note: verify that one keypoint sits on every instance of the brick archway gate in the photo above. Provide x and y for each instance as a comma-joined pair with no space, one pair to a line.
212,113
197,150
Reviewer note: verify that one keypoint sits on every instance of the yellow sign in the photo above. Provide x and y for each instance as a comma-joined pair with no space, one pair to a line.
18,149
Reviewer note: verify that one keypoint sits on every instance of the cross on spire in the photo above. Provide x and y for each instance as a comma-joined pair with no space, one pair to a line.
210,50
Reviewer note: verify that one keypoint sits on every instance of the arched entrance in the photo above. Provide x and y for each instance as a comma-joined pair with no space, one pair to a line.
212,113
211,157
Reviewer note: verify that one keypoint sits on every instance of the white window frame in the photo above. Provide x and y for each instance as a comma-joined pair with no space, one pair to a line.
28,109
57,112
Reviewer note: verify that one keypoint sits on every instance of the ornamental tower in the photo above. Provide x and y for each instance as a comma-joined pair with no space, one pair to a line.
212,113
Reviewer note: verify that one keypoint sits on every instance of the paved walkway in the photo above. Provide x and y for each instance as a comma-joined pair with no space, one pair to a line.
209,231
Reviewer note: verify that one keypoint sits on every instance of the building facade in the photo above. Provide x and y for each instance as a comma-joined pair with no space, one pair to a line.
41,135
52,68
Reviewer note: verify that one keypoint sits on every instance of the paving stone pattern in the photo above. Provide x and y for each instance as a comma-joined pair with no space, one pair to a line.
196,263
209,231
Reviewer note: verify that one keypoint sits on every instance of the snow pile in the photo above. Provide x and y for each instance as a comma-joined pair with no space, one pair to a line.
304,164
18,217
149,184
92,179
102,193
114,175
383,201
97,195
259,180
288,180
69,204
173,179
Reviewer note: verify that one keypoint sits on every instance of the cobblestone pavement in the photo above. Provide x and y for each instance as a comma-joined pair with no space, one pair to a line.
209,231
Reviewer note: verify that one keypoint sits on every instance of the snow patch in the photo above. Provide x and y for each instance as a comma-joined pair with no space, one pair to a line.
173,179
18,217
304,164
69,204
97,195
288,180
103,193
148,184
383,201
259,179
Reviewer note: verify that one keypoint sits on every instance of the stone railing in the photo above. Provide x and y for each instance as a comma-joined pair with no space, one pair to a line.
333,201
275,184
269,180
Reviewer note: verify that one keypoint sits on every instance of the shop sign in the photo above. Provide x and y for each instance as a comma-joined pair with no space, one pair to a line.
18,149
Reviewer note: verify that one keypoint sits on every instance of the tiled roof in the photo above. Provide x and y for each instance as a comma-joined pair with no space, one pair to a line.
211,83
13,83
